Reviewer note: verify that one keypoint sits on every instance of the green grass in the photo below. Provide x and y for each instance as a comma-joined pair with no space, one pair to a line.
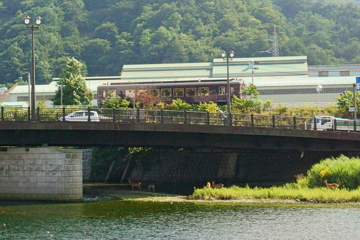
286,192
342,170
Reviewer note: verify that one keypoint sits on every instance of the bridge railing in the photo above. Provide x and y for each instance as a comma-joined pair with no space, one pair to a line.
162,117
11,114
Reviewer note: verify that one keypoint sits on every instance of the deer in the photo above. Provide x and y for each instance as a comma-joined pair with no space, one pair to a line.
331,185
134,184
208,185
151,186
217,185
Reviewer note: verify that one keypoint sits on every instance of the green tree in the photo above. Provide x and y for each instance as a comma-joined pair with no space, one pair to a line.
207,106
178,104
74,89
112,101
253,104
345,101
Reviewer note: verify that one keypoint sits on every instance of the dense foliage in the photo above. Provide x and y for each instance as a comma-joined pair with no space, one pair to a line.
72,89
343,170
107,34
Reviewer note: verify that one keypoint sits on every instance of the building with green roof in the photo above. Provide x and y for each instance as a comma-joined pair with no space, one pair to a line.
284,80
238,68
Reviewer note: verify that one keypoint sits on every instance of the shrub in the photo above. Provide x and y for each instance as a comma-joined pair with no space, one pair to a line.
342,170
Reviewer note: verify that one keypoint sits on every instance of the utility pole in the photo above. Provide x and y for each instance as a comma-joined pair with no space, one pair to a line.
274,50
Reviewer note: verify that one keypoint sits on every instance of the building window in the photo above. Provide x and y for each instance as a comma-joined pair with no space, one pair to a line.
166,92
222,90
344,73
154,92
323,73
190,92
22,99
178,92
203,91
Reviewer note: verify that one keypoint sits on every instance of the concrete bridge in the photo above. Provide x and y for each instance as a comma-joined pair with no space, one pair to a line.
48,173
172,135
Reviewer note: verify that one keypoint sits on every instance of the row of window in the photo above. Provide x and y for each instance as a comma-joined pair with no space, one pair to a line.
326,73
175,92
180,92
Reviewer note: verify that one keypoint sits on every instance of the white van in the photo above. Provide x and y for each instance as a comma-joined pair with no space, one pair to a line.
82,116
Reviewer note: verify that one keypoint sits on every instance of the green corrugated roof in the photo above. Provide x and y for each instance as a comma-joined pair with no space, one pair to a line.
166,70
267,67
238,67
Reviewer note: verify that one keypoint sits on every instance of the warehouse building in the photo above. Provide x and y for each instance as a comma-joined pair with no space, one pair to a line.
288,81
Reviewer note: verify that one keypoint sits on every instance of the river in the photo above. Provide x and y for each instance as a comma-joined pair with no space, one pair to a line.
176,220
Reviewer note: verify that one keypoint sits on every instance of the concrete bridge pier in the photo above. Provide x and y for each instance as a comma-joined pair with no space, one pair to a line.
43,173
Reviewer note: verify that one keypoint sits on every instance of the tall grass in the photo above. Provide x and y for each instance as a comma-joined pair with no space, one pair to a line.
342,170
285,192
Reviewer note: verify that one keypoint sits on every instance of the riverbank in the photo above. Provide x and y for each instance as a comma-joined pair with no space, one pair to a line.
103,192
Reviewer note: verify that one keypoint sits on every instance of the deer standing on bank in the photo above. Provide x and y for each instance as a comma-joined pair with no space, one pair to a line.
331,185
217,185
134,184
151,186
208,185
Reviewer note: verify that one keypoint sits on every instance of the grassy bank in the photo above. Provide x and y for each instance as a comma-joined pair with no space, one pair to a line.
342,170
286,192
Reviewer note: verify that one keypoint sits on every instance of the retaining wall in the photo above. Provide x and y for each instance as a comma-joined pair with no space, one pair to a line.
46,173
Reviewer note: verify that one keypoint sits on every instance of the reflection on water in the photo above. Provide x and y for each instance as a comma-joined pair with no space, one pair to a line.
146,220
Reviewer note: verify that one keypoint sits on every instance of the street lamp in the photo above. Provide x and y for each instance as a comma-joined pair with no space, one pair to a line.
33,97
228,100
252,66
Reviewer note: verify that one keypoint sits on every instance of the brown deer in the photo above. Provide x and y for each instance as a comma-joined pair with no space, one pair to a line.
217,185
208,185
151,186
331,185
134,184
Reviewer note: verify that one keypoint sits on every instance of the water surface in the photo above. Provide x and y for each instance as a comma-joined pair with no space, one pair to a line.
149,220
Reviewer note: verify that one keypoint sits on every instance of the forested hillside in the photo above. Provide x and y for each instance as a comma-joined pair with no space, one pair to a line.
107,34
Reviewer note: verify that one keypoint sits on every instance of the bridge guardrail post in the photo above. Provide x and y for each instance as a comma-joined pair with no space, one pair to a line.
2,113
185,116
28,115
63,114
207,118
161,116
113,115
294,118
230,119
273,121
354,124
314,124
137,115
89,119
38,114
252,120
334,125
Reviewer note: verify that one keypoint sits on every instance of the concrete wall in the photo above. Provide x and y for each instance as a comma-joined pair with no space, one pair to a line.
40,174
86,157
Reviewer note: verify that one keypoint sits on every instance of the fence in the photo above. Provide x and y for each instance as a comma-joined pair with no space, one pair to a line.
155,116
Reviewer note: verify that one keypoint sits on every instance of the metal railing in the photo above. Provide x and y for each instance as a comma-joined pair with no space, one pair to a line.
123,116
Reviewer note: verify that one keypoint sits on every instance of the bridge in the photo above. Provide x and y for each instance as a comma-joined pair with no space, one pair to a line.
180,129
248,147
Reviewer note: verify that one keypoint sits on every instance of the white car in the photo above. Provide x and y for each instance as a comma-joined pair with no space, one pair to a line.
82,116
